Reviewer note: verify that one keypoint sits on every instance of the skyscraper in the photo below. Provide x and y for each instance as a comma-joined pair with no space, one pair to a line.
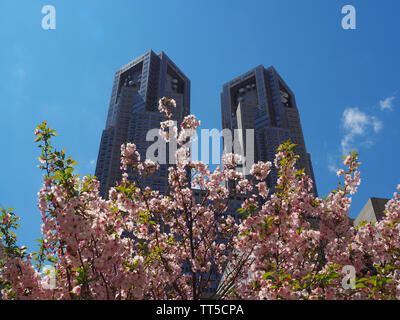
133,111
259,99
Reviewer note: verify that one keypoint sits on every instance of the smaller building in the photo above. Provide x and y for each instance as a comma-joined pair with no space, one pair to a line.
373,211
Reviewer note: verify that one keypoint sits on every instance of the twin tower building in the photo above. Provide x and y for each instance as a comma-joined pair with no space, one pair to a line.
258,100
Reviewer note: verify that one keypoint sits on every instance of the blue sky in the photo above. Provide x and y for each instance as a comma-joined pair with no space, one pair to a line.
346,82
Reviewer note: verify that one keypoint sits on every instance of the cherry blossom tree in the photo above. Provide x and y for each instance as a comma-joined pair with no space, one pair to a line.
143,244
299,246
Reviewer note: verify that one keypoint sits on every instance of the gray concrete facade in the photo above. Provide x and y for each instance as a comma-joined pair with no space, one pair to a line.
261,100
133,111
373,211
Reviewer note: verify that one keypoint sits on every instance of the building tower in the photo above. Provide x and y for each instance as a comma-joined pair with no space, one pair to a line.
133,111
261,100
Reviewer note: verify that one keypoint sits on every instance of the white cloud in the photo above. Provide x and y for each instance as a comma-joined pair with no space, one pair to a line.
92,162
387,103
20,73
332,165
376,124
358,124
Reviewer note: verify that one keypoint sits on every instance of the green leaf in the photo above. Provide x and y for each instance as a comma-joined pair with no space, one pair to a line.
268,275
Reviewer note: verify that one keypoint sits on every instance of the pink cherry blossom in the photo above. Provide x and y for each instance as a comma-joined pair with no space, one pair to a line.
140,243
